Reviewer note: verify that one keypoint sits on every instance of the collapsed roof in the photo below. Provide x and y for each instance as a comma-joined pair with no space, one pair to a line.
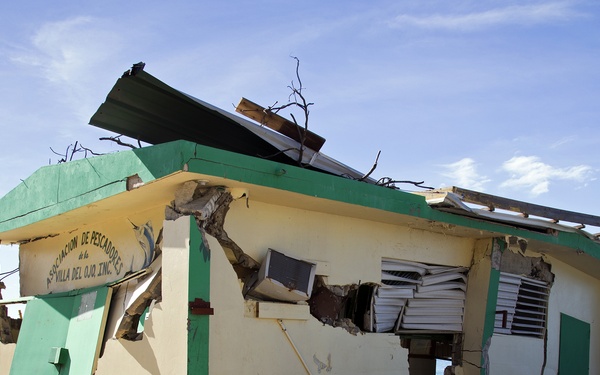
144,108
198,141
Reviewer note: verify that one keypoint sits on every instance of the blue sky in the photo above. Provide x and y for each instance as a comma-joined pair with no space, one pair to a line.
496,96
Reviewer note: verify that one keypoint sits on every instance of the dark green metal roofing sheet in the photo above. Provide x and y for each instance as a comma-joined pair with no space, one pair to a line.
144,108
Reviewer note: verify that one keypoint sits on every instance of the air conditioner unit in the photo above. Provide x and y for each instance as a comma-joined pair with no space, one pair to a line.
283,278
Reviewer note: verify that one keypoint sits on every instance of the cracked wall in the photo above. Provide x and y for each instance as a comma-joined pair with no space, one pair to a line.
351,248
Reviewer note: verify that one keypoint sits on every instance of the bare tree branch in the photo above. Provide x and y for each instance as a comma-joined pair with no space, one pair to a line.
388,182
118,141
296,99
72,150
372,168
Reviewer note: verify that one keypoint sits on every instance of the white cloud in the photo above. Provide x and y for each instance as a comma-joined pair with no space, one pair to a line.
563,141
66,50
511,15
69,54
530,173
464,174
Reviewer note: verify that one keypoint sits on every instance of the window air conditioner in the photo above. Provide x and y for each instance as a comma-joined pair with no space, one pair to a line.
282,278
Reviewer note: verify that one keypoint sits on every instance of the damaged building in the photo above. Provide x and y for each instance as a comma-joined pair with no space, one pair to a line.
234,246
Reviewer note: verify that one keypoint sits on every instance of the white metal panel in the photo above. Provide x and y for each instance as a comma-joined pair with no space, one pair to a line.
525,301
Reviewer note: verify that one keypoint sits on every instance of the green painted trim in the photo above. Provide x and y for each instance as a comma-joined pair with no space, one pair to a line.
198,287
56,189
498,244
299,180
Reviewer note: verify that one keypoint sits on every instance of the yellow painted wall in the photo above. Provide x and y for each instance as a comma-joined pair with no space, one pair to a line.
353,248
246,345
42,262
475,306
7,352
163,349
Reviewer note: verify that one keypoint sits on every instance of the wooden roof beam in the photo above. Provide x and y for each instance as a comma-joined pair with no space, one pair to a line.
279,124
523,208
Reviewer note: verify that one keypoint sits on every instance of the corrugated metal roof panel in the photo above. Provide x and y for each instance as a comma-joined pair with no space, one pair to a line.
144,108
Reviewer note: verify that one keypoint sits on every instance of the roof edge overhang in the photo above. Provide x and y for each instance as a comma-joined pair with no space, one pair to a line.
55,191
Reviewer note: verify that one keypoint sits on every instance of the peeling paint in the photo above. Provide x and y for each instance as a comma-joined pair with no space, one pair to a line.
496,255
323,366
533,267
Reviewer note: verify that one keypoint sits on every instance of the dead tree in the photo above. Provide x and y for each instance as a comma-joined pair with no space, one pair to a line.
298,100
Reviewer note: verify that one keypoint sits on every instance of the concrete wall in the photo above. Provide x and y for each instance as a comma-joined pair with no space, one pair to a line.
578,295
352,248
573,293
7,352
475,307
511,354
246,345
163,348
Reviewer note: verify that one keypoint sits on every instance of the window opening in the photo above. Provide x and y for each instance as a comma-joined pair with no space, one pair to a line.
429,354
521,307
418,296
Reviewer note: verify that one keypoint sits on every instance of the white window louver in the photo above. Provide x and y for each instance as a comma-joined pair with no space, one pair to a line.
521,306
418,296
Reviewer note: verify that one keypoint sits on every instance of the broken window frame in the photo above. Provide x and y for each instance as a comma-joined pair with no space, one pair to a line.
521,306
424,295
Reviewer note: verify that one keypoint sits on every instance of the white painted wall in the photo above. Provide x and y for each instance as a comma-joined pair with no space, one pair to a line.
576,294
573,293
511,354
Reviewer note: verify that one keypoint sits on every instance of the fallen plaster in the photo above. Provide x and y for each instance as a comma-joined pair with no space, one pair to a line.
209,206
514,261
128,328
328,304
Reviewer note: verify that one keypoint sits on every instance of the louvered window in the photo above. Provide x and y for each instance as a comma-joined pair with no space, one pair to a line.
522,305
418,296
